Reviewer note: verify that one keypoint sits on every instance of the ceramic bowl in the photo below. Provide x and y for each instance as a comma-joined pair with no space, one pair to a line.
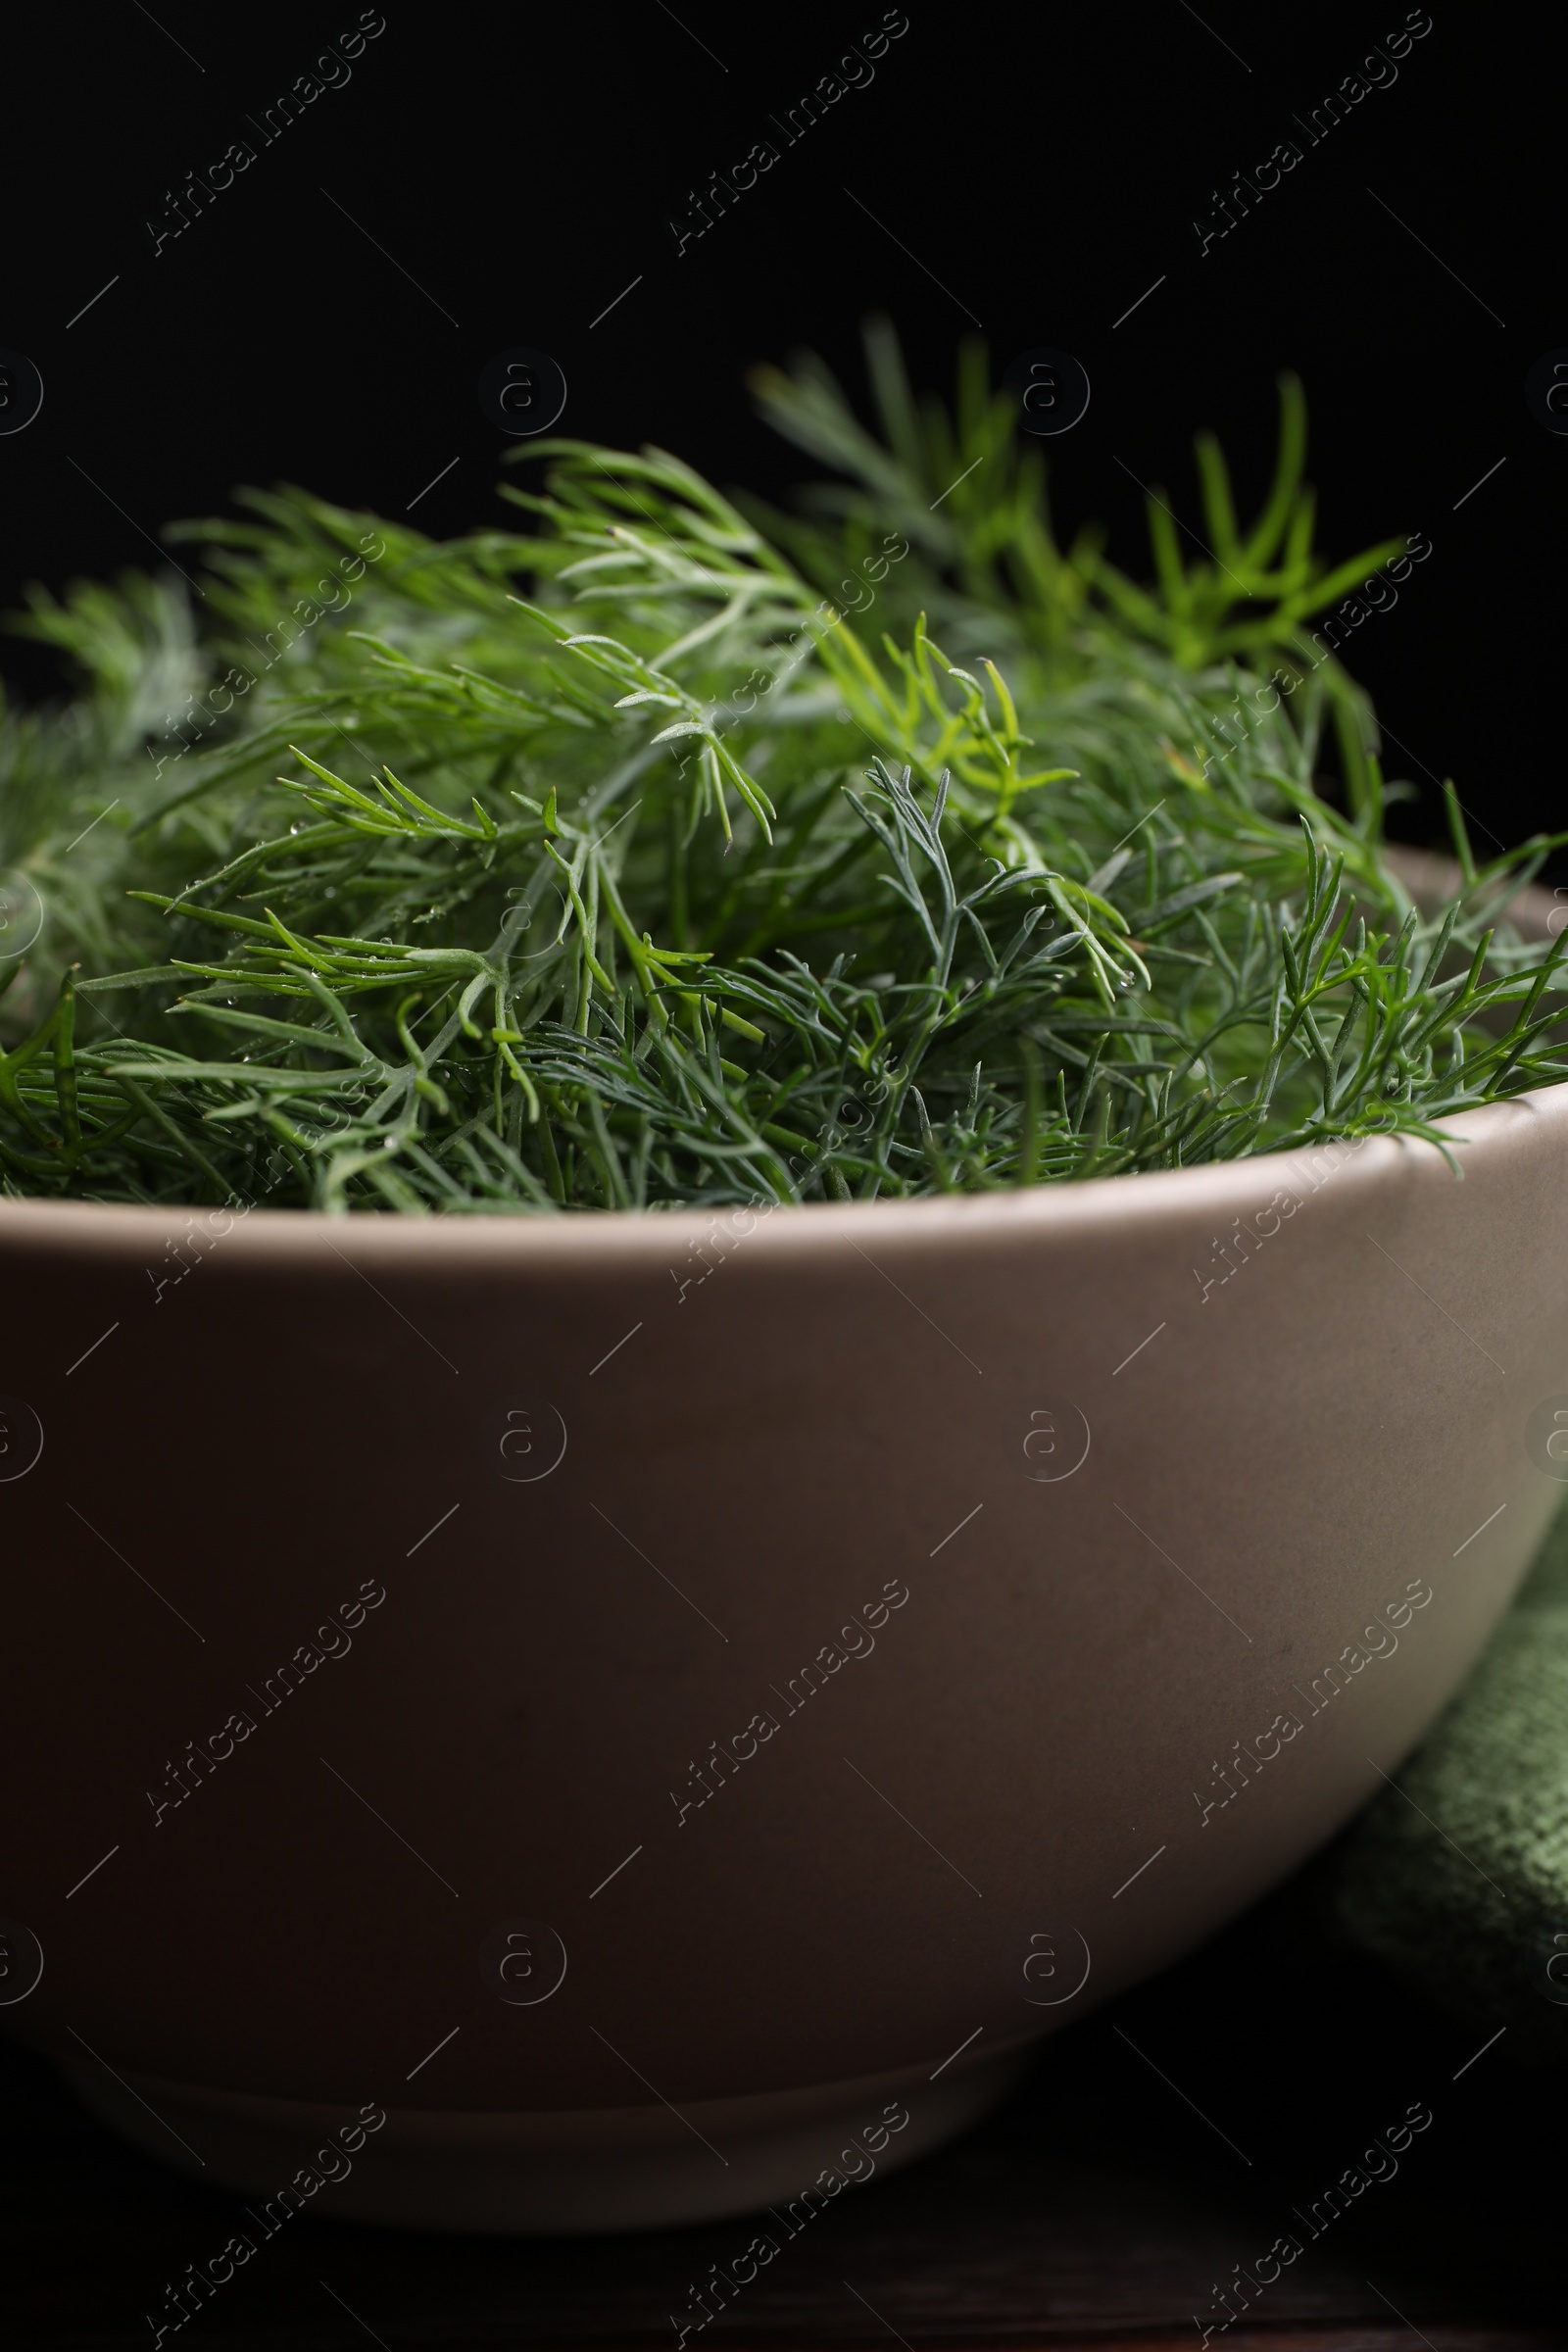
533,1725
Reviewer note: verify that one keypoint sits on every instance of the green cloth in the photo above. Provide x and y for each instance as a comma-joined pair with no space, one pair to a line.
1467,1895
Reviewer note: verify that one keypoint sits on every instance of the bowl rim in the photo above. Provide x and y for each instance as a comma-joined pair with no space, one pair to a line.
1064,1211
1069,1207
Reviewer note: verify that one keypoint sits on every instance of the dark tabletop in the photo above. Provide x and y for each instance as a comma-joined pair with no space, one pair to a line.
1154,2149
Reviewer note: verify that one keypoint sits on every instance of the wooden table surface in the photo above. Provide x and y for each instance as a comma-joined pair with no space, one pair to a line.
1098,2209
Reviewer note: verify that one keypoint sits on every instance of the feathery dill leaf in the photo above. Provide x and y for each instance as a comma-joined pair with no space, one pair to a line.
664,853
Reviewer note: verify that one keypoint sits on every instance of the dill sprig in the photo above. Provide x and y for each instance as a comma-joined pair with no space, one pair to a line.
664,853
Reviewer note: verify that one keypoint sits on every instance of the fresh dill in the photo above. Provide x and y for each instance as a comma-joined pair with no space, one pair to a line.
667,853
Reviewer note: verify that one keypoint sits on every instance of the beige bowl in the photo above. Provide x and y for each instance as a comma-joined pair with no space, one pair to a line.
664,1712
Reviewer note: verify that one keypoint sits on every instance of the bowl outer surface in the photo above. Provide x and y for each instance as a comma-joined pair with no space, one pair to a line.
774,1426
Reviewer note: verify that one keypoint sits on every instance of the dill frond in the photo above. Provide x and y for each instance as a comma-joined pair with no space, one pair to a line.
664,853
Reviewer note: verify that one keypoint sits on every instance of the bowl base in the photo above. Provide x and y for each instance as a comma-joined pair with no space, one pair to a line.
546,2174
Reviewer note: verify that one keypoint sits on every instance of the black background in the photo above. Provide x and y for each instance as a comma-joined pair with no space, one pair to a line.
1044,165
